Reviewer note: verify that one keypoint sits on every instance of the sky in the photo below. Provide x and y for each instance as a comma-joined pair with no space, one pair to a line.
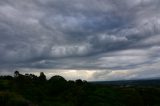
94,40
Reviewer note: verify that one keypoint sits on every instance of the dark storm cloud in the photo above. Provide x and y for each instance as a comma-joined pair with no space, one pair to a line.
98,35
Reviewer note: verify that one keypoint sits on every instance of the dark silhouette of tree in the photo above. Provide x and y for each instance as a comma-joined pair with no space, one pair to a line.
42,76
29,89
6,77
57,78
16,73
71,83
33,77
57,85
79,82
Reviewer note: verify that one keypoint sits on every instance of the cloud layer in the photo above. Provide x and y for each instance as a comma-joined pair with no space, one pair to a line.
111,39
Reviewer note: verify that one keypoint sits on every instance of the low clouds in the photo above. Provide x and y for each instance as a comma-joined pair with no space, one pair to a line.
119,39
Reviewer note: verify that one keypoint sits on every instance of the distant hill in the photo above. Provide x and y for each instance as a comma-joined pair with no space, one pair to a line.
143,82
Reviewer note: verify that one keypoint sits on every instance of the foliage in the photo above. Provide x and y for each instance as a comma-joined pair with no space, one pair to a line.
32,90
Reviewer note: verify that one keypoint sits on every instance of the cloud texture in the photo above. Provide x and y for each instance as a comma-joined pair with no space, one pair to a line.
111,39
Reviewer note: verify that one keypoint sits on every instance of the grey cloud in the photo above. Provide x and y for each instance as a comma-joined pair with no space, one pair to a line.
53,34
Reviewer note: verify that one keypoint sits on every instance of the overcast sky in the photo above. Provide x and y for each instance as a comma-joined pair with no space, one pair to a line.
87,39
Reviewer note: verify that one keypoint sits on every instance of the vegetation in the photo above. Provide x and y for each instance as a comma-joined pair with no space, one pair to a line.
32,90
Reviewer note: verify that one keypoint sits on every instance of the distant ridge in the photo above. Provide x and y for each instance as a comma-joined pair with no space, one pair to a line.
134,82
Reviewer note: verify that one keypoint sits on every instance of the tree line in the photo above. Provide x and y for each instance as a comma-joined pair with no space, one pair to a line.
32,90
